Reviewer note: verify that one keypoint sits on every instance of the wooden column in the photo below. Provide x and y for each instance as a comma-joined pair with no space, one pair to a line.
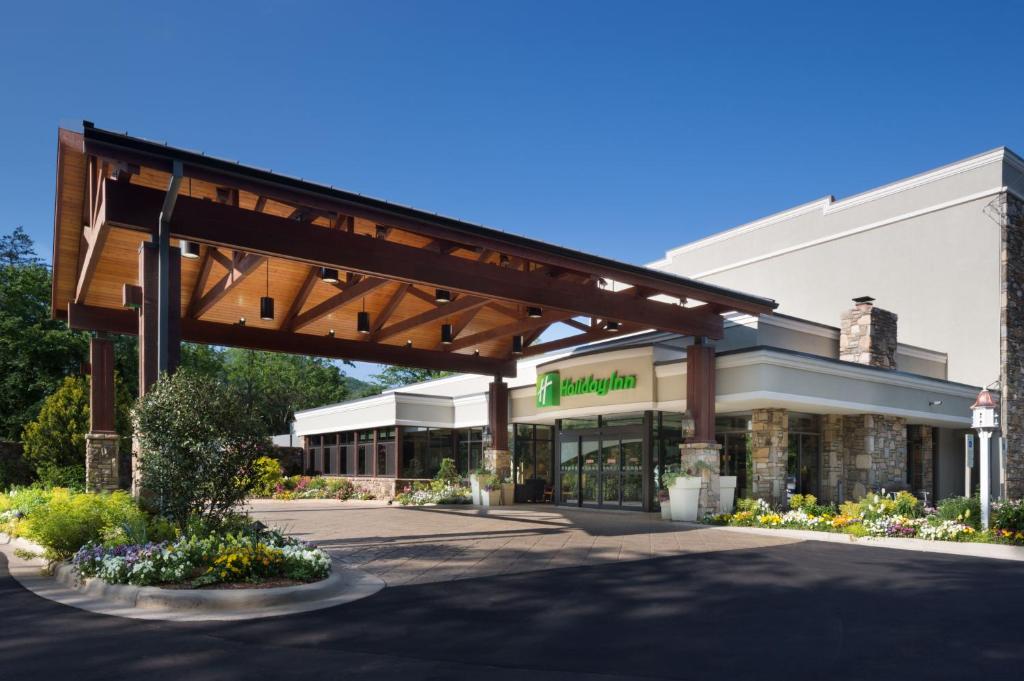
497,413
700,390
149,369
101,384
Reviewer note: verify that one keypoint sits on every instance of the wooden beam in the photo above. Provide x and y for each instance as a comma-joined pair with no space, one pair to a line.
578,339
447,310
205,267
95,238
301,296
113,320
218,224
347,295
511,329
224,261
459,325
241,268
389,309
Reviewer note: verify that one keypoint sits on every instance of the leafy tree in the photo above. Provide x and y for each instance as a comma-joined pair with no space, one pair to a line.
36,352
396,377
275,385
199,445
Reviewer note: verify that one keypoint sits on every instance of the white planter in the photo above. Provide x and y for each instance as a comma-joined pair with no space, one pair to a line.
666,510
474,488
490,497
683,498
726,493
508,493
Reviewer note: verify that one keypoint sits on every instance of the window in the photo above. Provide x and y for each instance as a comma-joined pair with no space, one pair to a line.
803,470
470,450
532,452
629,419
423,449
579,424
732,432
385,452
313,453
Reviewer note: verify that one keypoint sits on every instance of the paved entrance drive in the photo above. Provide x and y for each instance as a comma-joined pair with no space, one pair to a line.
416,545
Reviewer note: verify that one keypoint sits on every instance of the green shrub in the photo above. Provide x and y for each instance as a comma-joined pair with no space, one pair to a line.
1008,515
56,437
963,509
199,444
879,505
447,472
268,475
69,477
68,521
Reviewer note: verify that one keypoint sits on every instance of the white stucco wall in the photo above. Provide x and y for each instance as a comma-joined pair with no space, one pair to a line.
924,248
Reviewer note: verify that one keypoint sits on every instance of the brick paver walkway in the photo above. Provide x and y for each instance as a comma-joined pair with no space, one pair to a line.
410,545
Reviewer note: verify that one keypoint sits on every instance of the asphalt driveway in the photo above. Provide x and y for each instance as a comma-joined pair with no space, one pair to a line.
787,611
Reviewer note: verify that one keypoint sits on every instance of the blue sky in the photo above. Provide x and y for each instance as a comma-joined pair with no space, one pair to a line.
622,129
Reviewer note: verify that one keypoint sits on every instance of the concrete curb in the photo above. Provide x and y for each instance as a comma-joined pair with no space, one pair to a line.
344,585
970,549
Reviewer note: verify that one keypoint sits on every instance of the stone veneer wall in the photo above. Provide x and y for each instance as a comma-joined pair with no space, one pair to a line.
769,448
832,458
382,488
867,335
1011,344
876,453
102,465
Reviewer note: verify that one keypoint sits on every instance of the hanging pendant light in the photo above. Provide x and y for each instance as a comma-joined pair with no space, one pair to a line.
442,295
611,327
329,275
534,312
266,302
189,249
363,320
517,345
446,334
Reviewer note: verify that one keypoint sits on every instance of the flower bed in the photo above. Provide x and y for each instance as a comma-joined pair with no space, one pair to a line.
434,492
886,515
109,537
196,561
308,487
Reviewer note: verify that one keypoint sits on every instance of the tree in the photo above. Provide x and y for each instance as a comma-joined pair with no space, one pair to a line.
396,377
275,385
56,438
36,352
199,443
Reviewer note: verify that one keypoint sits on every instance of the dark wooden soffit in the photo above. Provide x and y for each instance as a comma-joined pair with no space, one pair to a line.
134,207
112,320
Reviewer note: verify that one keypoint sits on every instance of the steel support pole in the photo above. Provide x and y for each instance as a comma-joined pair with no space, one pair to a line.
163,271
984,472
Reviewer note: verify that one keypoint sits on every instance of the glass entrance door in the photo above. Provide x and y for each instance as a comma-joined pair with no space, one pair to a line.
601,470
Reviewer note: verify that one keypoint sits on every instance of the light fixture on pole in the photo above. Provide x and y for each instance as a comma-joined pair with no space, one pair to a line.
517,345
329,275
363,320
266,302
985,420
189,249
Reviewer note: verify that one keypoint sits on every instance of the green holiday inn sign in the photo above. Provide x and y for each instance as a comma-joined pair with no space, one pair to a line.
551,388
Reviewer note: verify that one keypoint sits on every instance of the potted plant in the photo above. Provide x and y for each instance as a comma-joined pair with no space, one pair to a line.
726,493
508,492
490,489
683,485
664,502
474,484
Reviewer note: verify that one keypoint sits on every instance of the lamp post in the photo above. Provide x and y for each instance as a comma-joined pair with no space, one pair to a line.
985,421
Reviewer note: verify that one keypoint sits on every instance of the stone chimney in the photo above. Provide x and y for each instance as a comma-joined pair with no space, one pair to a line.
868,335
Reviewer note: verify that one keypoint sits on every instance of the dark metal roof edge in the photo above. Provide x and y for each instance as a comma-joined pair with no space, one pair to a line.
165,151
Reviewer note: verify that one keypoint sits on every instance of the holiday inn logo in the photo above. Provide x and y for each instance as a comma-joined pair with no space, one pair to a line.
548,390
551,388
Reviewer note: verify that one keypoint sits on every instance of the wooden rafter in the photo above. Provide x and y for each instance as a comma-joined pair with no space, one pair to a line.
205,267
521,326
460,324
595,334
463,304
241,267
389,309
347,295
301,296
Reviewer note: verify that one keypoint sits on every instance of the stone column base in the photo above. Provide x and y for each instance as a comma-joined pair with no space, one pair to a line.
499,461
710,490
101,462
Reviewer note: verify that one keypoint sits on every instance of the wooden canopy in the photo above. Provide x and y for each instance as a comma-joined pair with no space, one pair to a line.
264,234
